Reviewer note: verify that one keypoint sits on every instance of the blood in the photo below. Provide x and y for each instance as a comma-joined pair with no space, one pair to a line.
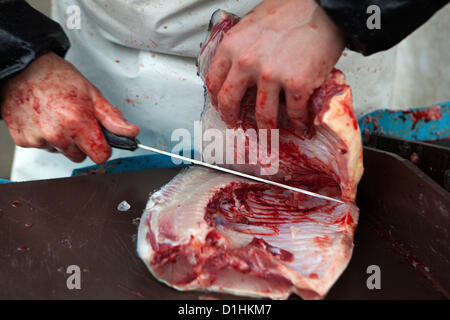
236,206
430,114
240,204
136,293
404,250
167,253
283,255
345,221
375,124
403,118
15,204
324,241
213,238
295,168
300,170
262,99
218,31
36,105
260,213
349,110
166,230
319,100
415,158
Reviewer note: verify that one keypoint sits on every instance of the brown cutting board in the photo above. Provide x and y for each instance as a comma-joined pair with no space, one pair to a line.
46,226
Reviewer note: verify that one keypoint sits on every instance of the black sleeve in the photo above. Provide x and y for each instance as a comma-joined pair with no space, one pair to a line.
399,18
24,34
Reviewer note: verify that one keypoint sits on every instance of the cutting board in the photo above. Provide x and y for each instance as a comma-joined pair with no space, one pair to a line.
47,226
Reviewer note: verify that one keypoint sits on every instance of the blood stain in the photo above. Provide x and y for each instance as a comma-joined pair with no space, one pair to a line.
415,158
136,293
15,204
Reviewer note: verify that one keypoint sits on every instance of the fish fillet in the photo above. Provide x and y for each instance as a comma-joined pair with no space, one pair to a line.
211,231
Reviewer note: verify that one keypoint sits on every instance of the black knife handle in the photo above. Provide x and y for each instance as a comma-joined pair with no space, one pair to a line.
120,142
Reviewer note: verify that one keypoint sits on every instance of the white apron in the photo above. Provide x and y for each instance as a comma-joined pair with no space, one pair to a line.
141,55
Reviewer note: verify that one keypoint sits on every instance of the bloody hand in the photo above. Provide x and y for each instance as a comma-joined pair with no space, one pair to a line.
282,45
50,105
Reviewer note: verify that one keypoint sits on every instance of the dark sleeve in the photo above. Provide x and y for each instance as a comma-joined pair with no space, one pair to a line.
24,34
399,18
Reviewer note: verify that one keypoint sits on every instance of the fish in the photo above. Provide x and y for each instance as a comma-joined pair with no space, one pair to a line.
210,231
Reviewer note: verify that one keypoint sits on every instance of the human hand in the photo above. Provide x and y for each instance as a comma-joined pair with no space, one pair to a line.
282,45
50,105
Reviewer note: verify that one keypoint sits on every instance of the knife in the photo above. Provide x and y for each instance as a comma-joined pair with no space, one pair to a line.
132,144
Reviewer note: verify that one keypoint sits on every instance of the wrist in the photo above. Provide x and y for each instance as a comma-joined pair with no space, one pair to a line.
320,19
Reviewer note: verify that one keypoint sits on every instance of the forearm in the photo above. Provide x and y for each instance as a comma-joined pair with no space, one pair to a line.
399,18
24,35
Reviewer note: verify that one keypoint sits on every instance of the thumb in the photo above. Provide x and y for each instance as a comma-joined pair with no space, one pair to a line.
111,117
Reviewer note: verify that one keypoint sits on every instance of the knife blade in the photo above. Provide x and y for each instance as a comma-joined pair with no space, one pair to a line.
132,144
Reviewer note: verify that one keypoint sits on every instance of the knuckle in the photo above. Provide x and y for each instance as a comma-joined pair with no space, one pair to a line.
49,132
223,99
227,98
54,135
48,136
71,117
20,141
227,43
244,60
268,74
211,84
35,142
295,84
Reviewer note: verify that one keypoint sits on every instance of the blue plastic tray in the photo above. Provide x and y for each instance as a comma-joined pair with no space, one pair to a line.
405,125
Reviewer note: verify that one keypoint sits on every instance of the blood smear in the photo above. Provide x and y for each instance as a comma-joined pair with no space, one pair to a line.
15,204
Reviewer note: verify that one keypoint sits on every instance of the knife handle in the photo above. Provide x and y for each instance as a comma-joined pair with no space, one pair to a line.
120,142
